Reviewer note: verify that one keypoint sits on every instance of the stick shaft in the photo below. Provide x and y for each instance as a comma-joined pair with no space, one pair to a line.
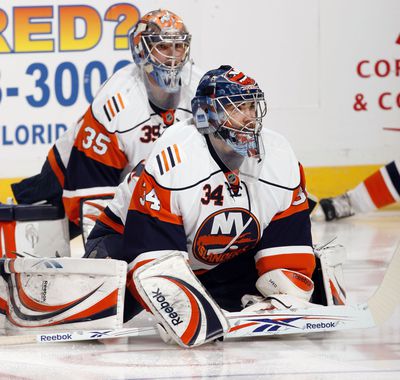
387,297
73,336
278,322
17,339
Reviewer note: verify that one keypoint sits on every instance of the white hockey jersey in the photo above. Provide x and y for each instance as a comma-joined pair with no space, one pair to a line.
117,132
184,201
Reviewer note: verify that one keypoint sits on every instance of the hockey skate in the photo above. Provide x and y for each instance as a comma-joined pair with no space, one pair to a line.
337,207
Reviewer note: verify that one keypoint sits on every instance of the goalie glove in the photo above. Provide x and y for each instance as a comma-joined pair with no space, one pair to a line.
284,281
179,301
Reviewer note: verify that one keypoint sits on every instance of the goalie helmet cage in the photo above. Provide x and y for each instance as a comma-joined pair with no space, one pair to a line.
376,311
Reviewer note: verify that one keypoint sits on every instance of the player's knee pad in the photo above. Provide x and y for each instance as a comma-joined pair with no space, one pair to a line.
330,277
33,230
179,302
284,281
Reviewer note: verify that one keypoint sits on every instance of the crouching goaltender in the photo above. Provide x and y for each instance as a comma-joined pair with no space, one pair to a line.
229,196
219,212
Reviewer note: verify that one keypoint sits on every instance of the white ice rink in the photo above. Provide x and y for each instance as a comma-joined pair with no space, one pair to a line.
360,354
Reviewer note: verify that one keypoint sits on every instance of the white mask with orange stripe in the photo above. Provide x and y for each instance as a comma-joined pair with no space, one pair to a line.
160,45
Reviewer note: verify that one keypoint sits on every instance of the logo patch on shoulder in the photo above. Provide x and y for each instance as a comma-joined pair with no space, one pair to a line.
113,106
226,234
168,158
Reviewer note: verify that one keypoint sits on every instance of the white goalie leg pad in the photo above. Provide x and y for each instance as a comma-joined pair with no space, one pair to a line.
285,281
33,230
332,259
75,293
90,210
179,301
45,238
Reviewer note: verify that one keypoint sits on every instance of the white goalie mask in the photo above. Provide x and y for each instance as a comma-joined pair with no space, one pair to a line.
160,45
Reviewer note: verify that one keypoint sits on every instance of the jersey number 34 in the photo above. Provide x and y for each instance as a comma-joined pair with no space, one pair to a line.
152,198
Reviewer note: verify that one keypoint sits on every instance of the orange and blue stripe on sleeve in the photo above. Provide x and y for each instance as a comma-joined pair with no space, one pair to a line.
297,258
112,221
286,243
56,165
383,186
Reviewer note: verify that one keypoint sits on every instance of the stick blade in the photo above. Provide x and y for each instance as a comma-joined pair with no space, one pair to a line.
9,340
300,321
387,297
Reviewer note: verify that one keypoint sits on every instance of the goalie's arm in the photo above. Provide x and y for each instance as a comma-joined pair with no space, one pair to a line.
48,185
152,222
153,228
95,164
285,259
106,230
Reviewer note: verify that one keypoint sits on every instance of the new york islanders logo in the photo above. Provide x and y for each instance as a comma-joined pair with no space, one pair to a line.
226,234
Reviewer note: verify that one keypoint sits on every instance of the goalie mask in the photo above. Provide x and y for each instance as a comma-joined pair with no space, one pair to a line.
160,45
229,106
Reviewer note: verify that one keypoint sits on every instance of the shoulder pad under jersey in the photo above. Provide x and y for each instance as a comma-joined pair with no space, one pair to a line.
180,157
281,167
122,101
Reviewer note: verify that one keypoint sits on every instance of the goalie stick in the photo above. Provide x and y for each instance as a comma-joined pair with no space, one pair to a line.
269,322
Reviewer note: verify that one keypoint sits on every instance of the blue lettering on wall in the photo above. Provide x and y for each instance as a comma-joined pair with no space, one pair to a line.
35,134
22,134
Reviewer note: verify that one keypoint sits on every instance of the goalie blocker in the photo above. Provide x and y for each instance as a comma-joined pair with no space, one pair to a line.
325,288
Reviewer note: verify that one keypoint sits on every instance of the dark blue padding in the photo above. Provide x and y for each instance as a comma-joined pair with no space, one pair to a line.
30,212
